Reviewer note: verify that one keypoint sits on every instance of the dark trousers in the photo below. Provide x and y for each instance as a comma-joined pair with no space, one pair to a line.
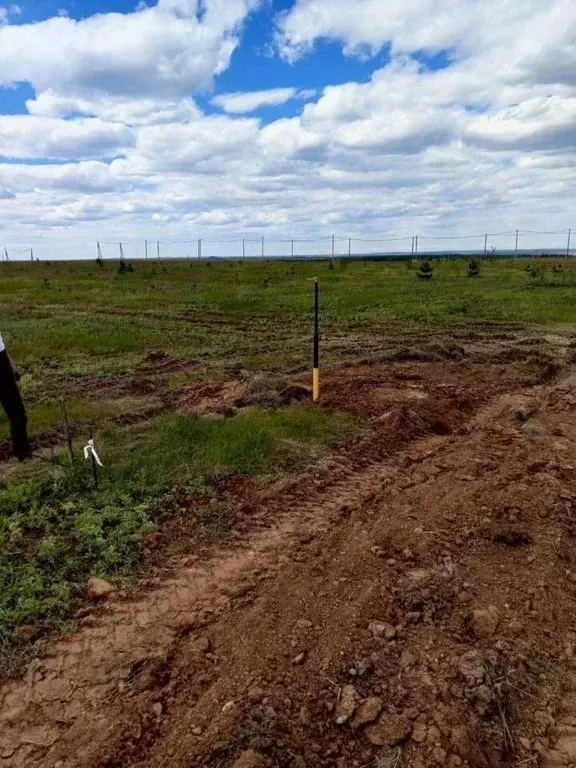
11,401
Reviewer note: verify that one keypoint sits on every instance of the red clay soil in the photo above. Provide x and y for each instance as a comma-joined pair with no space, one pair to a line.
410,601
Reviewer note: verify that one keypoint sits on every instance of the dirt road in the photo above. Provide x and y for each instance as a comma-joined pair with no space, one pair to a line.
410,601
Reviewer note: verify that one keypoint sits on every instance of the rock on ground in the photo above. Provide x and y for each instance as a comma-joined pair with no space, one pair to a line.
346,705
471,667
484,622
98,589
419,733
367,712
382,629
390,731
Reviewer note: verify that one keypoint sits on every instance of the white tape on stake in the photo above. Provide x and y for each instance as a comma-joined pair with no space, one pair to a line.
89,450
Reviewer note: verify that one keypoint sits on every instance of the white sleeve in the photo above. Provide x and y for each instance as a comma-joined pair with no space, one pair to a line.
2,347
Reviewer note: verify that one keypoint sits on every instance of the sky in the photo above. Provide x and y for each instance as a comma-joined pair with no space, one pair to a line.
376,120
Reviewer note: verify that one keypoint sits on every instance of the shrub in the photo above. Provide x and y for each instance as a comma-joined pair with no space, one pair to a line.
533,270
473,268
426,271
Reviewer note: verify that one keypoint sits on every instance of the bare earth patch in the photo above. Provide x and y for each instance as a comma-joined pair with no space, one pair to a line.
409,601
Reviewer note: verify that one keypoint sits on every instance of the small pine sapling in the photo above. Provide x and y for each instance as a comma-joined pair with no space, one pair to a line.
473,268
426,271
533,270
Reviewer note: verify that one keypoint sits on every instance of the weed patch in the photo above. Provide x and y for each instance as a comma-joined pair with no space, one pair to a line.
57,530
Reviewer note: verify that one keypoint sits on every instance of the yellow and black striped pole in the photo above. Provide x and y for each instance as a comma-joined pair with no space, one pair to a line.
316,355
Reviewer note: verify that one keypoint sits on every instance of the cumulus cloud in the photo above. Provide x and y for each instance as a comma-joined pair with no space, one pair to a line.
167,50
463,26
536,124
134,112
367,25
249,101
28,136
87,177
186,147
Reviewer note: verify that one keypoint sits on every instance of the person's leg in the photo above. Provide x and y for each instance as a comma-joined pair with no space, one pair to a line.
11,401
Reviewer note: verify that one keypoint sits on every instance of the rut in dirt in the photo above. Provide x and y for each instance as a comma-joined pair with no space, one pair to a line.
433,627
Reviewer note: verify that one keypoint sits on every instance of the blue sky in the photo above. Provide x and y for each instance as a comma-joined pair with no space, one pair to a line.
235,118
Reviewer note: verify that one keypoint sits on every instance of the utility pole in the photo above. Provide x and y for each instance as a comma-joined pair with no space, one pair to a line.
31,254
485,245
292,247
516,246
121,252
333,246
199,247
416,245
243,249
158,249
6,254
568,246
146,249
412,251
262,246
349,247
99,257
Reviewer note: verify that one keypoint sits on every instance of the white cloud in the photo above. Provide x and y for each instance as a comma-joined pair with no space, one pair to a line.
85,177
134,112
409,26
161,51
249,101
535,124
191,146
29,136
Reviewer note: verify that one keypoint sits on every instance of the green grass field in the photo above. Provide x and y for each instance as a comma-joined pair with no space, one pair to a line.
69,325
87,319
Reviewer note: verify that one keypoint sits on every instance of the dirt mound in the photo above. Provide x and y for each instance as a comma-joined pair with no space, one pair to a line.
407,422
416,399
272,392
429,353
156,356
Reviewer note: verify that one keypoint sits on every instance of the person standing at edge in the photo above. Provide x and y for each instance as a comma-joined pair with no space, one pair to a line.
11,402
